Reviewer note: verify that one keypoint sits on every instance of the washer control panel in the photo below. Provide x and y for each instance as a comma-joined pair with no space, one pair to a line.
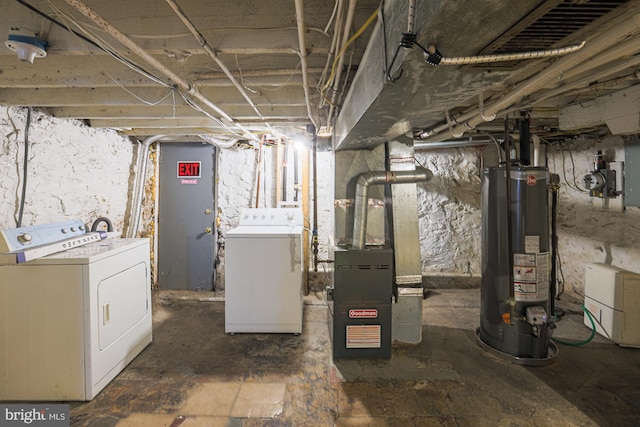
272,216
18,239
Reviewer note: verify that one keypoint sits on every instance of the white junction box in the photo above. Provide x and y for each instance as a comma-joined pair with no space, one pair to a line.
612,296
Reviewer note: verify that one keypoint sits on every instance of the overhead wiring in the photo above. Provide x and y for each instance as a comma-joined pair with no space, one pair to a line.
201,110
25,167
125,61
357,34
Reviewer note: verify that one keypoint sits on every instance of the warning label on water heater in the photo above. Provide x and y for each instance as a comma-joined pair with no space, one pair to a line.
531,277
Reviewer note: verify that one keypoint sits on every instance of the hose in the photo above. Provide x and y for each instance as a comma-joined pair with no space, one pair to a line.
94,226
588,340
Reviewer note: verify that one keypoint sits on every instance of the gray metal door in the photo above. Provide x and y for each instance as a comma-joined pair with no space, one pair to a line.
186,216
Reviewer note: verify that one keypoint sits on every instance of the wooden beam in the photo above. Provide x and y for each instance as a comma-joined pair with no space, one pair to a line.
242,113
83,96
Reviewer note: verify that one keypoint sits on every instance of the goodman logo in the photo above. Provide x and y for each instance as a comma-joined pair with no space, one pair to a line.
363,313
35,415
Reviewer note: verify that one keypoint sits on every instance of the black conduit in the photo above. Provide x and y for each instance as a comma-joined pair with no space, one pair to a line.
507,149
315,203
24,166
554,245
295,175
525,140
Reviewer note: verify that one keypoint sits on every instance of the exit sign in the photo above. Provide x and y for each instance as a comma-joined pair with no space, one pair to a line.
188,169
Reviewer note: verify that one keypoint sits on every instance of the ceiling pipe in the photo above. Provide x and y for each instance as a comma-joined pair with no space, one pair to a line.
593,48
257,73
303,58
366,179
436,145
585,82
203,42
333,50
126,41
345,38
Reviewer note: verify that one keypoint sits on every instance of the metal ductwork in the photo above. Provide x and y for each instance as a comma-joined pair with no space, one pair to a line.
366,179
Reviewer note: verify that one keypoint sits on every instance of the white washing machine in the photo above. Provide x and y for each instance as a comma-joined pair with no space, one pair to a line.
264,272
72,320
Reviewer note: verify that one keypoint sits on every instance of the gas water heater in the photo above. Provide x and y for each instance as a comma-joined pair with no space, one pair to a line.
516,308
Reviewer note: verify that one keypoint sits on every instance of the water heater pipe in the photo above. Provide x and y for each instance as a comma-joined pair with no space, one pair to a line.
366,179
537,155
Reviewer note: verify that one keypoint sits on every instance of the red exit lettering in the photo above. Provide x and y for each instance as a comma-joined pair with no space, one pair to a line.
188,169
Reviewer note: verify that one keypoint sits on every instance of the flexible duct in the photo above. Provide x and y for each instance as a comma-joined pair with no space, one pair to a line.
485,59
366,179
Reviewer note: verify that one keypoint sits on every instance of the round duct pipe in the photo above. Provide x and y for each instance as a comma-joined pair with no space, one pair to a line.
366,179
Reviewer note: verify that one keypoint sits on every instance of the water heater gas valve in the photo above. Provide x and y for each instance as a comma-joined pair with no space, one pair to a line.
536,315
602,181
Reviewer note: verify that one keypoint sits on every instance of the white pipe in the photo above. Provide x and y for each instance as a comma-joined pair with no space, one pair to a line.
126,41
436,145
138,190
212,54
536,150
219,142
303,58
333,50
256,73
590,65
345,38
594,47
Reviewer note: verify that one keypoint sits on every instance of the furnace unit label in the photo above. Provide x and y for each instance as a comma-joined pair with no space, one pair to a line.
363,336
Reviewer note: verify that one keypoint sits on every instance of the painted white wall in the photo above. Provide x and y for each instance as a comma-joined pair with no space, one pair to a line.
74,171
449,213
587,234
80,172
236,190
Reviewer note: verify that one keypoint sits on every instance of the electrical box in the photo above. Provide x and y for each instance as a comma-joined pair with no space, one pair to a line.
612,296
632,173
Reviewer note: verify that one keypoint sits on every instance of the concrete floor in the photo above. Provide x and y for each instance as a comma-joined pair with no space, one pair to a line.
193,374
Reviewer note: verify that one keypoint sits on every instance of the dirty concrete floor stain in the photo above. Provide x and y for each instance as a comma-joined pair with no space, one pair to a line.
193,374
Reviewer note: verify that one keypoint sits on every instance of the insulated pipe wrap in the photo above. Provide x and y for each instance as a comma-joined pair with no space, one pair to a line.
366,179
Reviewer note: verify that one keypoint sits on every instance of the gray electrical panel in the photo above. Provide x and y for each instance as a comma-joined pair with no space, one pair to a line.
632,173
